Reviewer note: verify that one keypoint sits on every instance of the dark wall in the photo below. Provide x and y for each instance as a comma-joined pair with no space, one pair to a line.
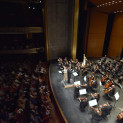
60,27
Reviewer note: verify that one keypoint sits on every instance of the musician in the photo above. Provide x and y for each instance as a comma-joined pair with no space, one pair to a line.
65,74
121,79
69,72
83,103
106,109
120,116
96,115
95,96
110,91
76,91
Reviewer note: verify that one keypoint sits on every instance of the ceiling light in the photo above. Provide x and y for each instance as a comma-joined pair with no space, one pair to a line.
109,2
120,1
97,6
115,12
105,3
100,5
29,7
33,8
40,1
115,2
112,1
120,11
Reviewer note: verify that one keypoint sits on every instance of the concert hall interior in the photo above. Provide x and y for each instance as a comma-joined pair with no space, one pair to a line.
61,61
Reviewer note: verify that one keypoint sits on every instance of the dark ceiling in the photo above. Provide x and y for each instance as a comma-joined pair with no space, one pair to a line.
21,13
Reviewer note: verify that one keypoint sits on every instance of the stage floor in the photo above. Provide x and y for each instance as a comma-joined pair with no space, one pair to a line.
70,106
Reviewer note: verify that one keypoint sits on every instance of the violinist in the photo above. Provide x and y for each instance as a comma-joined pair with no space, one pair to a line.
110,91
106,109
104,78
109,83
95,96
96,115
120,115
76,91
83,103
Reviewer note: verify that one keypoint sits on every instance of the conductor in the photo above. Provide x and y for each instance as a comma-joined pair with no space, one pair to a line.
69,72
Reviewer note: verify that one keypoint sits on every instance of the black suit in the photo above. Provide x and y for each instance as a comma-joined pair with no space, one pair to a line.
69,74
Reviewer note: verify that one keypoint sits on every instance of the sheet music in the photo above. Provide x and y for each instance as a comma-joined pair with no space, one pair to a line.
117,96
60,71
82,91
77,83
93,102
75,74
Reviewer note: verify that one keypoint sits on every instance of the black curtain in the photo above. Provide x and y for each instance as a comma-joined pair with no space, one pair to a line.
108,33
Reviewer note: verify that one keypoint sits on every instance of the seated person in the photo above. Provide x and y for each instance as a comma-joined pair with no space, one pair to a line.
106,109
76,91
83,103
95,96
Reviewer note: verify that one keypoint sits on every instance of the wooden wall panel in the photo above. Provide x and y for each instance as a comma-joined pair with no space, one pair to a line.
96,36
116,39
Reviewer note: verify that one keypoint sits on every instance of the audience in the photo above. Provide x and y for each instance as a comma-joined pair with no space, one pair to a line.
24,94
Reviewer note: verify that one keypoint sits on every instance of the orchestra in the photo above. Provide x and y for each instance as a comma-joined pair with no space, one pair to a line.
108,70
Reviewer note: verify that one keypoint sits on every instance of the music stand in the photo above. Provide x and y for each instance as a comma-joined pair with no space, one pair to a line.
93,103
82,91
77,83
75,74
60,72
117,96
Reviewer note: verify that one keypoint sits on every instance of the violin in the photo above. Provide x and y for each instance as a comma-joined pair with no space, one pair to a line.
92,77
104,78
97,110
91,83
107,85
108,90
120,116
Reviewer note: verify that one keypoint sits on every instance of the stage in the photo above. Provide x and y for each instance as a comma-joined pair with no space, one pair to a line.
69,106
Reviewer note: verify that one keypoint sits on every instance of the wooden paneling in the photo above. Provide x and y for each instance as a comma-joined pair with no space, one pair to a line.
96,36
116,39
